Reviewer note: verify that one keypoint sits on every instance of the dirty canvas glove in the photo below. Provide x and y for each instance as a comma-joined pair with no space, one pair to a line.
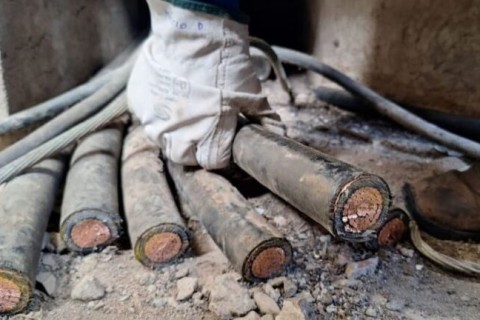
191,80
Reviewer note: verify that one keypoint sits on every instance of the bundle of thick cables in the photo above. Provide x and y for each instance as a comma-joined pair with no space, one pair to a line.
90,114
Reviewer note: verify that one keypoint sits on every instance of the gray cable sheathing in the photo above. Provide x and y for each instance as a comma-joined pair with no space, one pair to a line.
381,104
115,109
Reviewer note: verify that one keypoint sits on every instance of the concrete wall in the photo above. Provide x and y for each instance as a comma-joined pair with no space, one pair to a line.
421,52
49,46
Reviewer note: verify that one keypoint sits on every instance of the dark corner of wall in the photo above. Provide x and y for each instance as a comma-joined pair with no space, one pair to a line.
288,23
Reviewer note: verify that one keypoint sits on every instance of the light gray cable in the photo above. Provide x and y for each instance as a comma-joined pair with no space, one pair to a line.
51,108
70,117
381,104
113,110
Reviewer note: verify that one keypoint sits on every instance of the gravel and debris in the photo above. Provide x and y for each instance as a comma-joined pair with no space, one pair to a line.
355,270
88,289
186,288
228,298
296,310
252,315
265,304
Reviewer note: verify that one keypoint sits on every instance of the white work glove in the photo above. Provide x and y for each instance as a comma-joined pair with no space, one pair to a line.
192,78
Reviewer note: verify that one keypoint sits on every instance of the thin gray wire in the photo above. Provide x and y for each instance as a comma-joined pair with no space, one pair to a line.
113,110
54,106
71,116
275,62
463,266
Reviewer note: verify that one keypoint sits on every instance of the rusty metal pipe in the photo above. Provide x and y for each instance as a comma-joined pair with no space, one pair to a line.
349,202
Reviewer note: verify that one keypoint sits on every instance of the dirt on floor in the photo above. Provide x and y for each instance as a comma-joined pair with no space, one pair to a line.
391,283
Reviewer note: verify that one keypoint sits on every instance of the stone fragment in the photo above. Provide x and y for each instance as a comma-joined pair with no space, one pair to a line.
276,282
159,302
271,292
289,288
108,253
296,310
181,273
51,262
99,306
302,236
280,221
172,302
88,289
371,312
305,295
265,304
197,299
125,297
49,281
331,309
395,305
186,287
252,315
146,278
326,299
346,283
267,317
359,269
228,298
151,288
304,99
326,238
378,300
408,253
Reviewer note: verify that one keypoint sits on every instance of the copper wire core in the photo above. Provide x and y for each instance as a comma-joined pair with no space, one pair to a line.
391,233
10,295
162,247
268,263
362,209
90,233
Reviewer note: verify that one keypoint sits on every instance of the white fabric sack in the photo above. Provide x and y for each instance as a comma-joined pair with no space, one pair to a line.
192,78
